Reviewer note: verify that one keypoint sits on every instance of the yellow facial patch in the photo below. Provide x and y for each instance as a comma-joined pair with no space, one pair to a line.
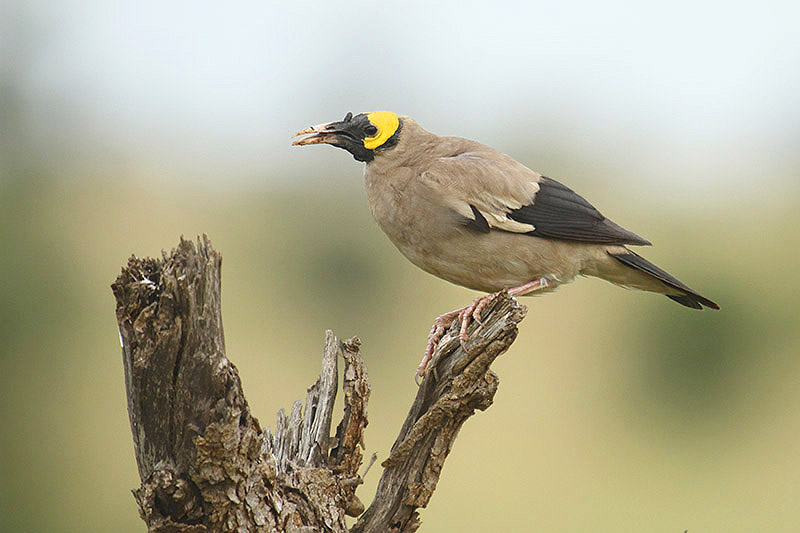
387,124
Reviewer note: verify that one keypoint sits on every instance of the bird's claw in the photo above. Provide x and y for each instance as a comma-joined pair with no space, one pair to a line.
442,322
440,325
482,302
473,312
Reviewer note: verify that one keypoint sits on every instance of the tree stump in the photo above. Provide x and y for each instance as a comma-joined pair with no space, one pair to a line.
204,461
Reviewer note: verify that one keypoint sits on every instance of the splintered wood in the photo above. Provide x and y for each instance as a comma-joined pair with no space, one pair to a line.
204,461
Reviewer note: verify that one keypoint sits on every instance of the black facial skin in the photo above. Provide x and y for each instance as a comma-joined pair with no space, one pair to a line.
349,134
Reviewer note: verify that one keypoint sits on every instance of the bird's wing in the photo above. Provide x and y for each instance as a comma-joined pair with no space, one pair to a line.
474,186
493,191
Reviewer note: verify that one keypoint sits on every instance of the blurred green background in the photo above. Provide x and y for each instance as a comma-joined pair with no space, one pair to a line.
126,125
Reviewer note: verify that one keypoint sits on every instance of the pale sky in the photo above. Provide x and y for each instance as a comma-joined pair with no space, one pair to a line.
686,91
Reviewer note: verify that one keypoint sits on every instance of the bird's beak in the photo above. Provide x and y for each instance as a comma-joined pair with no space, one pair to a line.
323,133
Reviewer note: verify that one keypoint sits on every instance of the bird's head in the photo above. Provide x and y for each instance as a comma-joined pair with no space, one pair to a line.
363,135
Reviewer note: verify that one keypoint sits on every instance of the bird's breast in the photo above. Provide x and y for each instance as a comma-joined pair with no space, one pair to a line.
400,213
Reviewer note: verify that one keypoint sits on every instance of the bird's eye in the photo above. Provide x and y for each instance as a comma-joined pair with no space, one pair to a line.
371,130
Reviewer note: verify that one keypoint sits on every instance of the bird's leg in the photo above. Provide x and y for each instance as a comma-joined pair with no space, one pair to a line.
531,286
473,311
464,316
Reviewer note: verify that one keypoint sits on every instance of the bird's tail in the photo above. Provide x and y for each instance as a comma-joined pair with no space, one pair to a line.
679,292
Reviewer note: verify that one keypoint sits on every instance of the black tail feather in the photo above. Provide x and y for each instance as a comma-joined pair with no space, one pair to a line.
689,298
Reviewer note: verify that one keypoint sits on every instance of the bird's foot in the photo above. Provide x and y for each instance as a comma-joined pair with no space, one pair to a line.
465,315
473,312
440,325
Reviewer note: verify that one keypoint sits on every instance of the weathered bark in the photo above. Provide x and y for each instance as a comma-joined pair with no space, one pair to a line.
204,461
459,382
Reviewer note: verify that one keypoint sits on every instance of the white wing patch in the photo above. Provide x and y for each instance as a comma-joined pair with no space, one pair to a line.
495,209
495,187
502,222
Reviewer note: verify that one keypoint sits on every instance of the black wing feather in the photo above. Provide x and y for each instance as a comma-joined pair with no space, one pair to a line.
689,298
558,212
478,223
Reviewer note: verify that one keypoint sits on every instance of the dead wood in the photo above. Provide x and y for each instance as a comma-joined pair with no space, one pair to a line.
204,461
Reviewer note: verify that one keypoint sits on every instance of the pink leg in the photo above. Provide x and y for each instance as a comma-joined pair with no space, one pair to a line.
440,325
465,315
531,286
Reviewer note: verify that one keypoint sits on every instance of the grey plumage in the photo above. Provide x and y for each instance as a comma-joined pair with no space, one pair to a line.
476,217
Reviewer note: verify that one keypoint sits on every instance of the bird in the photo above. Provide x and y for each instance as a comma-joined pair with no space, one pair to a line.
476,217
